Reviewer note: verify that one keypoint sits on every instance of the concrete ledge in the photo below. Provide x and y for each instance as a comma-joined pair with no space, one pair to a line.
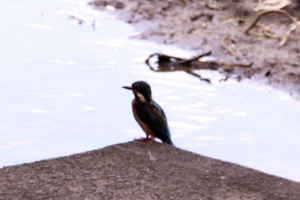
138,170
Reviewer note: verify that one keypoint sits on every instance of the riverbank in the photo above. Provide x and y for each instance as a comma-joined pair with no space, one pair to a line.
272,46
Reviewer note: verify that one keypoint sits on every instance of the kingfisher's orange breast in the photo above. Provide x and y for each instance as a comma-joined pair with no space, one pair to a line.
144,126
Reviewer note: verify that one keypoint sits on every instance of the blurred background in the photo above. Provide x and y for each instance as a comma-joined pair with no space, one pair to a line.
60,86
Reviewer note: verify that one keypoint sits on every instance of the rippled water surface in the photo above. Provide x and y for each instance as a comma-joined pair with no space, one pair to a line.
61,94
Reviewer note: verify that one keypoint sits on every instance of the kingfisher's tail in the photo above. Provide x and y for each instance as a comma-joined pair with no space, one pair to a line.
169,141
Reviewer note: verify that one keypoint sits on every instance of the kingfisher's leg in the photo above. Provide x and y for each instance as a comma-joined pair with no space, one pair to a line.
147,139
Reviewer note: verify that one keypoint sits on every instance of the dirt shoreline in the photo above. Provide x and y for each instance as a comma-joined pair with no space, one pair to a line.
192,25
138,170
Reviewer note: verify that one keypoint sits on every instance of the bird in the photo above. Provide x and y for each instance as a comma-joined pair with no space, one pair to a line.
148,114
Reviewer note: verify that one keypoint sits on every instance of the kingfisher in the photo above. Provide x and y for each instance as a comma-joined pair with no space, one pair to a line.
148,114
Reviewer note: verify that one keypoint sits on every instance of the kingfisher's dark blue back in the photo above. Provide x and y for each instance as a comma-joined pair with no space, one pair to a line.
153,115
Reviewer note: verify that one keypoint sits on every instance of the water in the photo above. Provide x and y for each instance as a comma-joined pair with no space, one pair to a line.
61,94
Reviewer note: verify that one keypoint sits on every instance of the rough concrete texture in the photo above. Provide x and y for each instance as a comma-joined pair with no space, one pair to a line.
138,170
191,24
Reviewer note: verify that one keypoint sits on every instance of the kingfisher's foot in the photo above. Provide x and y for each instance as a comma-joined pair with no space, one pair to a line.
144,139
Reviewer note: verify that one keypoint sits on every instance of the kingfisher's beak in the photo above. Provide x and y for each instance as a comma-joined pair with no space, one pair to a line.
127,87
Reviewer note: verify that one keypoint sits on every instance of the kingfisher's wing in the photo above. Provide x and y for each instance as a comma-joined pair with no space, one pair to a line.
153,103
153,115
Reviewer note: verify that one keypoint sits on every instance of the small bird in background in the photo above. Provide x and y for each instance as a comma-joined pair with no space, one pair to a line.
149,115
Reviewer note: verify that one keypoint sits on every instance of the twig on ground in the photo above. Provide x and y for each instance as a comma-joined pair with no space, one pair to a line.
268,32
224,45
193,59
244,20
271,11
286,35
266,29
233,64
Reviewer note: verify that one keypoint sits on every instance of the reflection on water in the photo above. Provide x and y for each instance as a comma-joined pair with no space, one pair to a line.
168,63
61,94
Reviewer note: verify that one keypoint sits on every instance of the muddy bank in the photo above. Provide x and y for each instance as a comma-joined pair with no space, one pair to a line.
138,170
201,27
